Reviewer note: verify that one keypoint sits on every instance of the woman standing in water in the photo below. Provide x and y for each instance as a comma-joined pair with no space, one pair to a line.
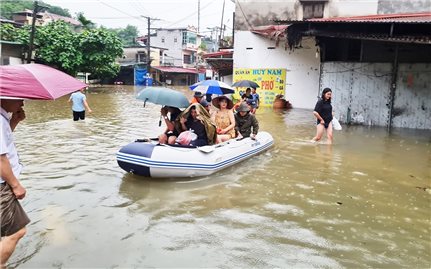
323,113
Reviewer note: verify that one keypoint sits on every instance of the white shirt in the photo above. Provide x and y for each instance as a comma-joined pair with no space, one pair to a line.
7,145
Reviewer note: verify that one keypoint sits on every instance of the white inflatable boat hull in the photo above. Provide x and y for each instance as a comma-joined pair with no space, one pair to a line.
153,160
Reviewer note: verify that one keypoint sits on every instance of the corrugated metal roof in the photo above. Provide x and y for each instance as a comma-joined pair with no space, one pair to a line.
172,69
271,31
218,54
10,42
424,17
380,37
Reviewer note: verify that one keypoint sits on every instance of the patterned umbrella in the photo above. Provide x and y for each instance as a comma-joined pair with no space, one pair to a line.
36,81
163,96
212,87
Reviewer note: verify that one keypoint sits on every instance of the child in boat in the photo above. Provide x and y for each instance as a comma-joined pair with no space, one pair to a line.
245,122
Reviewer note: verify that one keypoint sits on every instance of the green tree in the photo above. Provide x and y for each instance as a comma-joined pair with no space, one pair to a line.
8,32
127,35
203,46
9,7
57,10
100,48
57,45
86,23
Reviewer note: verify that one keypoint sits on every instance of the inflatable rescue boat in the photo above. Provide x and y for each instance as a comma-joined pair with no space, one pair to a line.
151,159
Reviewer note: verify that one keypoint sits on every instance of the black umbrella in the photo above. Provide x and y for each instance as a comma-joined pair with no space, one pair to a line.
246,84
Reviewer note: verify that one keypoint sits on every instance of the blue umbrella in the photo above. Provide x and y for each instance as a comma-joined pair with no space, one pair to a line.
212,87
163,96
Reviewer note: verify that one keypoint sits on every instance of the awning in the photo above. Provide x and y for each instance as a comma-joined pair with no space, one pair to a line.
220,61
219,54
172,69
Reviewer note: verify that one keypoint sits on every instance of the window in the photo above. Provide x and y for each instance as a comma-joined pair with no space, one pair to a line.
175,39
141,57
313,8
184,38
6,61
163,39
187,59
189,37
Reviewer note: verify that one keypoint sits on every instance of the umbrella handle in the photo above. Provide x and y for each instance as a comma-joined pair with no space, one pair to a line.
160,121
145,101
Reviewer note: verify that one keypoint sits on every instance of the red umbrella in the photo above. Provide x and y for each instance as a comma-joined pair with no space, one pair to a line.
36,81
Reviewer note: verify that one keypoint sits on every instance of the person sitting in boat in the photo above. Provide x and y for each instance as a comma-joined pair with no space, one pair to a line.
242,100
197,97
170,133
245,122
205,104
197,118
224,118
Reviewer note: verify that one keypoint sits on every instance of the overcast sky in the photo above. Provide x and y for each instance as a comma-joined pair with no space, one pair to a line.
171,13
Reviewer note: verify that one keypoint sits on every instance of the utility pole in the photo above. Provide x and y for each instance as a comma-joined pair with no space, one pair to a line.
148,42
221,24
199,16
36,9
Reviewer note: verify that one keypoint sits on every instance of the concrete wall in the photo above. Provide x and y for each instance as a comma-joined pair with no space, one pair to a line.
361,93
175,50
412,105
129,55
403,6
252,13
346,8
302,66
10,54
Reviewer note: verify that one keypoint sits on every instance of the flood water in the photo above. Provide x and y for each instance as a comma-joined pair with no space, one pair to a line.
364,202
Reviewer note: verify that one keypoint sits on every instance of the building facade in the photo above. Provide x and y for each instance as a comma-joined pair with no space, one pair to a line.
261,42
11,53
182,44
25,17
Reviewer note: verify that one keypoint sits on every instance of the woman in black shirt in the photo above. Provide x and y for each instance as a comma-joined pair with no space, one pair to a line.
323,113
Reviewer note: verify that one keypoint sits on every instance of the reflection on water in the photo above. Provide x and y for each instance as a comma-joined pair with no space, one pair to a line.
362,202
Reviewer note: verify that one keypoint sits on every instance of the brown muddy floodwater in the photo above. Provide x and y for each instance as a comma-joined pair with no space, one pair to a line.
364,202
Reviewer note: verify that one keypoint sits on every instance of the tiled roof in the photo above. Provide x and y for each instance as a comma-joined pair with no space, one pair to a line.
56,17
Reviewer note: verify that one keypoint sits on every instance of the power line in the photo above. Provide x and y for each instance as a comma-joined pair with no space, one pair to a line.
125,13
188,16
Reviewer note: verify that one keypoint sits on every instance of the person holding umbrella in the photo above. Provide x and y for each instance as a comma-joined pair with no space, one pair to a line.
170,134
13,217
19,82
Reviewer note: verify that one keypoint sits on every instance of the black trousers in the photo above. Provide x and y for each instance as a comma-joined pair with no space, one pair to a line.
77,115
